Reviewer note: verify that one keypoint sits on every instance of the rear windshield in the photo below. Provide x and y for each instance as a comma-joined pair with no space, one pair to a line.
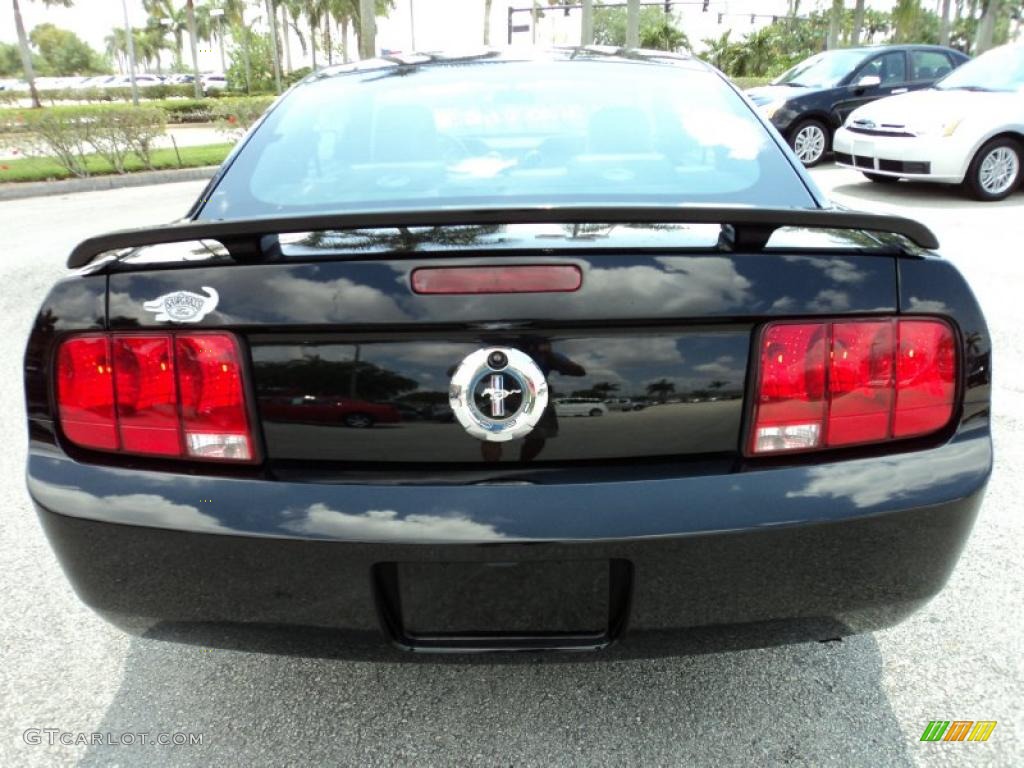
507,133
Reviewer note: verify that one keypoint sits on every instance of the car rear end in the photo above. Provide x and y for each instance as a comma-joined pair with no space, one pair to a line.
813,452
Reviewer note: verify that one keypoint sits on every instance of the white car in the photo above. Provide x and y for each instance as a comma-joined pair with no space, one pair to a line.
580,406
968,129
213,83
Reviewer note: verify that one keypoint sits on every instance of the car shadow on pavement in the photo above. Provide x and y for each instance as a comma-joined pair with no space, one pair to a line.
921,194
807,704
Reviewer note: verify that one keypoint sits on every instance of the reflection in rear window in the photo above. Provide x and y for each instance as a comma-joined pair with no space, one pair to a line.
508,133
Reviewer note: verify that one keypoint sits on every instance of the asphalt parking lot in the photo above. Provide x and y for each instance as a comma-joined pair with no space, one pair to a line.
861,702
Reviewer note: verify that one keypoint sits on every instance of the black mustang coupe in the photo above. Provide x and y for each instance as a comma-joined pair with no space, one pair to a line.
478,238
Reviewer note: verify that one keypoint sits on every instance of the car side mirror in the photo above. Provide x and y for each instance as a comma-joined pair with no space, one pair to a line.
868,81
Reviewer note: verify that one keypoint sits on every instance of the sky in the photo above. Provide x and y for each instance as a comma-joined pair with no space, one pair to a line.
439,24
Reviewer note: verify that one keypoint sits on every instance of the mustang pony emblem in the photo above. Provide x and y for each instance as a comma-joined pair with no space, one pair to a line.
183,306
498,394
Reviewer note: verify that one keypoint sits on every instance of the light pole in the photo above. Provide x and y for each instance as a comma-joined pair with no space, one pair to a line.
131,53
218,14
412,26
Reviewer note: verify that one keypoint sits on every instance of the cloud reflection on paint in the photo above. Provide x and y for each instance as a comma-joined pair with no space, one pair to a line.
875,482
387,525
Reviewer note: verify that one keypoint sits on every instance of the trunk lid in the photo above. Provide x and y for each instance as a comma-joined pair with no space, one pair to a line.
647,360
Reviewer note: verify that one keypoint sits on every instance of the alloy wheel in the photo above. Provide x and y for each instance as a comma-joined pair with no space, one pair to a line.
999,170
809,144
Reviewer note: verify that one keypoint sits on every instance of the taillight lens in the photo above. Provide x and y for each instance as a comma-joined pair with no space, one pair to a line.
85,392
833,384
926,371
212,401
147,400
171,394
860,382
791,406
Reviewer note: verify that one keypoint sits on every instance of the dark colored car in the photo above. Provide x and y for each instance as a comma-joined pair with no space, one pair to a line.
810,101
496,231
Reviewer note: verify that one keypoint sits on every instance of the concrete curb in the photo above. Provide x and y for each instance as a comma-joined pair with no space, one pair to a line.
15,191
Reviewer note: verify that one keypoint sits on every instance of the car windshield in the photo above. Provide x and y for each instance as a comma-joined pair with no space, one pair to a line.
822,71
507,133
1001,69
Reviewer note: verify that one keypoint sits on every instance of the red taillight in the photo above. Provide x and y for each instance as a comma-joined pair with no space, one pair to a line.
791,406
212,398
541,278
85,392
179,395
860,383
925,377
834,384
147,399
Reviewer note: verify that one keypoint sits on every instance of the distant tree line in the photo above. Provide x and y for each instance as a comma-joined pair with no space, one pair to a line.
972,26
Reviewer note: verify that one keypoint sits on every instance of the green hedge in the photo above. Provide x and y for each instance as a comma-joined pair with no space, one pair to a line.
114,133
52,95
12,120
751,82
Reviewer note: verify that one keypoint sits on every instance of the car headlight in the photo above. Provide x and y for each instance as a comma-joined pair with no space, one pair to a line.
934,127
769,109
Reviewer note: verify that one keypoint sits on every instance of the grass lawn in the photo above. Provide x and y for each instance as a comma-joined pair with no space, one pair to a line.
44,169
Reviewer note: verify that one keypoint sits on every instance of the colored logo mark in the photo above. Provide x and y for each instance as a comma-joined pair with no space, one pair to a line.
958,730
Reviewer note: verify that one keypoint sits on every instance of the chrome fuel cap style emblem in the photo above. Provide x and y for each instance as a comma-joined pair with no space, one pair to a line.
498,394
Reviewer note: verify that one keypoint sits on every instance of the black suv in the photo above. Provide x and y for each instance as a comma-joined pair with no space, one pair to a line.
809,101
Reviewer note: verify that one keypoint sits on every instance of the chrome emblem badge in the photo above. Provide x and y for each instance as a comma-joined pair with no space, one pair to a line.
498,394
183,306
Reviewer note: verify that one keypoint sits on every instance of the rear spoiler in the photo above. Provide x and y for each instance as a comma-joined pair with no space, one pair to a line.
743,228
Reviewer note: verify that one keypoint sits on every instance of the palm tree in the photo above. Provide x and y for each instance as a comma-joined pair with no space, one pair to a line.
341,11
282,6
753,57
944,26
295,10
26,52
190,12
662,388
314,13
632,23
234,18
904,17
367,48
330,8
173,19
719,51
148,44
858,22
156,34
835,22
664,37
117,46
987,26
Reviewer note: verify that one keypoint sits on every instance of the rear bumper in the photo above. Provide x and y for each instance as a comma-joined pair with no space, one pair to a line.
923,158
704,563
